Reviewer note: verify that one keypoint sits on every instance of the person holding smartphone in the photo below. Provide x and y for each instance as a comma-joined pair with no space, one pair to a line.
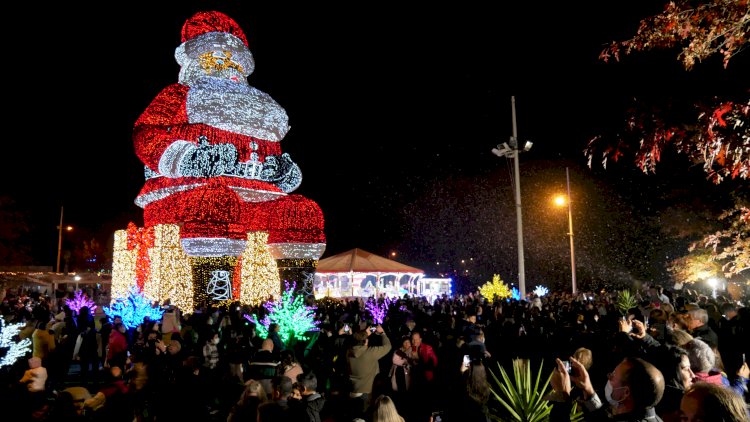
471,400
363,363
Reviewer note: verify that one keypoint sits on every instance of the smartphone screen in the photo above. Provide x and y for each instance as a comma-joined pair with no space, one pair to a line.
467,361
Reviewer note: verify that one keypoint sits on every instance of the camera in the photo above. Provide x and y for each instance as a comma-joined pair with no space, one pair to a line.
346,328
567,366
372,329
467,361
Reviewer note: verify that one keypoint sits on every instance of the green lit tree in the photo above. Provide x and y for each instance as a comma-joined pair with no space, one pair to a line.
294,318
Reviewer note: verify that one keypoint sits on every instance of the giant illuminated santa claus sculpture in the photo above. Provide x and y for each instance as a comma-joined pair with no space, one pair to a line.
216,198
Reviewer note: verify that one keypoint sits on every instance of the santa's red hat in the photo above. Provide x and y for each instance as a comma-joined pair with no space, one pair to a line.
211,21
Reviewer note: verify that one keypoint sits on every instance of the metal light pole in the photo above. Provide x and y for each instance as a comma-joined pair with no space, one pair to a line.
59,239
504,150
570,228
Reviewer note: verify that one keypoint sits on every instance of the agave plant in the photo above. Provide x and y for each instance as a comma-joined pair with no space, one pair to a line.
625,300
523,402
523,397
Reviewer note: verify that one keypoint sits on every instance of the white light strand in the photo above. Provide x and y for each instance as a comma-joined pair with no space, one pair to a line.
212,247
16,349
297,250
236,107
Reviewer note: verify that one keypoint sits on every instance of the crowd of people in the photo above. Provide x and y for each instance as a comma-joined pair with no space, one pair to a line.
675,355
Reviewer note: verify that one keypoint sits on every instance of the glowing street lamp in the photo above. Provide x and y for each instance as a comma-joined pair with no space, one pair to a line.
713,282
560,201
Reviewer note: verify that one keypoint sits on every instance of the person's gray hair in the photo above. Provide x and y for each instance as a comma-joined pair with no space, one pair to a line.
699,314
701,357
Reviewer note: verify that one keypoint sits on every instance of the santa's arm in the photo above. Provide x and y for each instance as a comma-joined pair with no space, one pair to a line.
168,143
156,130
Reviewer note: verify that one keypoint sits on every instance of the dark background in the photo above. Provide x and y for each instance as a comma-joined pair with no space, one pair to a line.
388,103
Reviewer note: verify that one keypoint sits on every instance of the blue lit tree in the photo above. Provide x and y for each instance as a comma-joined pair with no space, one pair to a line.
294,317
133,308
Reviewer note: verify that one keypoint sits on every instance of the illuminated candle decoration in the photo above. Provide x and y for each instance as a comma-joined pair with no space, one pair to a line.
378,309
294,318
15,349
541,290
495,289
219,287
133,309
204,269
79,301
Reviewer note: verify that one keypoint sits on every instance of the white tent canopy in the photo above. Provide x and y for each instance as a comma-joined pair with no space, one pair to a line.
360,273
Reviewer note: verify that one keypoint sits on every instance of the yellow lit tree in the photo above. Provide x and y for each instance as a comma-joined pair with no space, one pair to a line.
495,289
260,276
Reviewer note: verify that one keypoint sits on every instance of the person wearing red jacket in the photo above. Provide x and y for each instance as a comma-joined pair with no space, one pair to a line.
426,357
117,348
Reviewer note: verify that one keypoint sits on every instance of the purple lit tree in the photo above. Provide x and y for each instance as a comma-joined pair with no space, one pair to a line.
79,301
378,309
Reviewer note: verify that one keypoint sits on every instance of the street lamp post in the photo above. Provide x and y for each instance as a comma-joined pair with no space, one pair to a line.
561,201
59,238
505,150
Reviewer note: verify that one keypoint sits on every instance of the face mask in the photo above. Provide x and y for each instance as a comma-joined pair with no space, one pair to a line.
608,394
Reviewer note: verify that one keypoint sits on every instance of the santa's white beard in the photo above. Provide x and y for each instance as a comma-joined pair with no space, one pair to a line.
236,107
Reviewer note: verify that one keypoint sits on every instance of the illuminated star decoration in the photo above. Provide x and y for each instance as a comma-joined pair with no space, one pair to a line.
79,301
541,290
133,308
378,309
15,349
294,318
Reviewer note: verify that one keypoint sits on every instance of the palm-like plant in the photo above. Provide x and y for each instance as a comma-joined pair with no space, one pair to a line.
523,397
523,402
625,300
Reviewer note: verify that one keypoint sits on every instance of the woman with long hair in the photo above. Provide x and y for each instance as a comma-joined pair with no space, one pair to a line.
470,404
704,402
674,364
384,410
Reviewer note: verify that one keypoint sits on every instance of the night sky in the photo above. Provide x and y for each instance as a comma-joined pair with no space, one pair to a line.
386,102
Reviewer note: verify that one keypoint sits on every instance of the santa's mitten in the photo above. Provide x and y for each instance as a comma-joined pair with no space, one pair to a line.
207,160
